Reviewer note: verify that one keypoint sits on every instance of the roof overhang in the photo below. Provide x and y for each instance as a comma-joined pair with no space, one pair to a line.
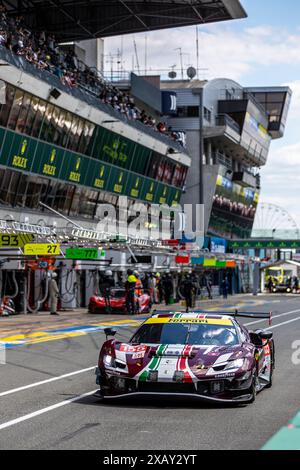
73,20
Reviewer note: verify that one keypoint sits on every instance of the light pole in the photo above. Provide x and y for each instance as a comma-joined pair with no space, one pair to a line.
199,91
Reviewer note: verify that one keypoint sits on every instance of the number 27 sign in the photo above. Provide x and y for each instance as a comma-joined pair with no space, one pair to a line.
42,249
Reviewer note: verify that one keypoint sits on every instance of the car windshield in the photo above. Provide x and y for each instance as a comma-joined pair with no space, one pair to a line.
117,293
201,334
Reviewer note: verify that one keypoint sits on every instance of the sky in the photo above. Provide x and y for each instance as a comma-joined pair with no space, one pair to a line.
262,50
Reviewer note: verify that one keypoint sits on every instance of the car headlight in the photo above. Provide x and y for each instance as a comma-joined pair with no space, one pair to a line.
109,361
237,364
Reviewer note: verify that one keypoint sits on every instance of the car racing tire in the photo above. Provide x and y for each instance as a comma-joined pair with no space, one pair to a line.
252,390
270,384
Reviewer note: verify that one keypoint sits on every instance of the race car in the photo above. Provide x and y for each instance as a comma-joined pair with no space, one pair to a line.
200,355
116,302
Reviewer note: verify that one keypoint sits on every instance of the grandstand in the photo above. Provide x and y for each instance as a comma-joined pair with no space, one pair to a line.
86,19
70,141
67,136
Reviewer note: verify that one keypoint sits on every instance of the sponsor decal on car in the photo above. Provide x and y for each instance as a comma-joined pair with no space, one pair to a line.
139,355
133,349
187,320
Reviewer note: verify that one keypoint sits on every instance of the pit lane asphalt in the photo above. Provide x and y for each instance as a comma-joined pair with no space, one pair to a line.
88,424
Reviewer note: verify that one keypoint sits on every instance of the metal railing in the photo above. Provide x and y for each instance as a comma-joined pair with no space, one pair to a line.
220,159
226,120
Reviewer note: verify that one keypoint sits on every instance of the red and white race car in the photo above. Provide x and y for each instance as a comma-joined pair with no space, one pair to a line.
116,302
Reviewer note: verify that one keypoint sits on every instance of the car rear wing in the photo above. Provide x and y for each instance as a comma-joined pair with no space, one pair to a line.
235,314
255,315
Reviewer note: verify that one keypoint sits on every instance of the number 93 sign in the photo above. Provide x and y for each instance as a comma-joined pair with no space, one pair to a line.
9,240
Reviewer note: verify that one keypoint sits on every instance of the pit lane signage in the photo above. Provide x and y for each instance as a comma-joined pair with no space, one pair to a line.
9,240
42,249
82,253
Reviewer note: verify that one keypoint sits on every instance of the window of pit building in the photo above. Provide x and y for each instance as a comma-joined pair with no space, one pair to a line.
22,118
15,110
8,186
207,114
39,116
84,203
188,111
273,103
5,108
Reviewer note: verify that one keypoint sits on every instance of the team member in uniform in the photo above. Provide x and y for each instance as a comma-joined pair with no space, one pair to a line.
130,291
105,286
188,291
53,294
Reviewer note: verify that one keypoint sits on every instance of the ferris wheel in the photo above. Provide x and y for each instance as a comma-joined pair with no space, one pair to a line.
272,221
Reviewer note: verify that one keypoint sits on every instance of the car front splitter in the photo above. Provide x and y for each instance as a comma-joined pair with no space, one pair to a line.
194,396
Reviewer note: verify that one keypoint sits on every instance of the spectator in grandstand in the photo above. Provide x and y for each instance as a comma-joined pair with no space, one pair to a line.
42,51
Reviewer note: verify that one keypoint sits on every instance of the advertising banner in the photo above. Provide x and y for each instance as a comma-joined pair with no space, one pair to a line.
233,211
33,156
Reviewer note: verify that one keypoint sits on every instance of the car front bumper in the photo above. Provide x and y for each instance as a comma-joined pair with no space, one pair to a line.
217,391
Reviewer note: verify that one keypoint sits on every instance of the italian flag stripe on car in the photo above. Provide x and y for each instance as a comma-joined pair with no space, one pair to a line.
154,364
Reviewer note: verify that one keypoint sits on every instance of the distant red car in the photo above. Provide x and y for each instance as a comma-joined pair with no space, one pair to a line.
117,303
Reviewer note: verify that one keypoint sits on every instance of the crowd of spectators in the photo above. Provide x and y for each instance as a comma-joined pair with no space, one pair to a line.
43,51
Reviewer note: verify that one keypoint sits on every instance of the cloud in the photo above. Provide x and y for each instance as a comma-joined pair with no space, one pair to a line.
236,54
223,52
281,181
294,113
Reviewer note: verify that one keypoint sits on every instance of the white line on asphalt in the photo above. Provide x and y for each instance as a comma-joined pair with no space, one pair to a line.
8,424
284,323
276,316
81,371
43,382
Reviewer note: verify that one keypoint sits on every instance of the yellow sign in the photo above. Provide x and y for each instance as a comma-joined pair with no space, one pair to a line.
204,321
8,240
42,249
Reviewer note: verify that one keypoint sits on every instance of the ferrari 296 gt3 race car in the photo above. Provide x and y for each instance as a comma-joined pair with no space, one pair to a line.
200,355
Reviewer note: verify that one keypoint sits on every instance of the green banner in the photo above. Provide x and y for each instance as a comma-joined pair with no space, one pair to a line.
48,161
34,156
264,244
82,253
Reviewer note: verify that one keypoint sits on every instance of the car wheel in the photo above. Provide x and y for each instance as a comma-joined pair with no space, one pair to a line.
272,366
270,382
253,388
271,378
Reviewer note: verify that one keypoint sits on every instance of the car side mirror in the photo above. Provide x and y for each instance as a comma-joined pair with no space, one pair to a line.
266,335
256,339
109,332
